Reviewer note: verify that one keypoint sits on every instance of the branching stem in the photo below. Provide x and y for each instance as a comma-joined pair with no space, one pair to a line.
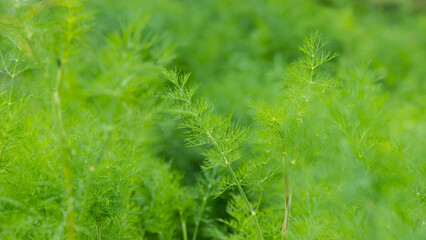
252,212
237,182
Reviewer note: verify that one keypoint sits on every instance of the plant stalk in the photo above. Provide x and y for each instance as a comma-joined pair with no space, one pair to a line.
65,154
11,90
183,225
203,205
288,188
98,231
252,212
228,164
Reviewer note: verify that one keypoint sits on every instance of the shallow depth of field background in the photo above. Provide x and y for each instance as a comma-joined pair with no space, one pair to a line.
129,159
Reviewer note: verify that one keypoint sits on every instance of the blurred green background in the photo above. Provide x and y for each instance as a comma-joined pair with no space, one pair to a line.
238,50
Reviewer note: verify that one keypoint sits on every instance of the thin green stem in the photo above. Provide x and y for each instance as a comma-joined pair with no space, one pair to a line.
227,162
237,182
11,89
98,231
183,225
252,212
66,155
288,188
64,145
203,205
259,201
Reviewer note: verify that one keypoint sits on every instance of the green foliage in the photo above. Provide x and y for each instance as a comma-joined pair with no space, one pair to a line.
296,143
218,132
223,138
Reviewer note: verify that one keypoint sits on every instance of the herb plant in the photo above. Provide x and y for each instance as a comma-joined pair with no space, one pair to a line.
105,135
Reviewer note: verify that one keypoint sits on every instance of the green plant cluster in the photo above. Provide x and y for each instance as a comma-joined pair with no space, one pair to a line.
225,119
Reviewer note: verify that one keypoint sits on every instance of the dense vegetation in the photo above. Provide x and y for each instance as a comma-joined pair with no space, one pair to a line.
212,119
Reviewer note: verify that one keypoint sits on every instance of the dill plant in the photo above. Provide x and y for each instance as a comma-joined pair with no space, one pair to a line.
223,137
282,134
99,193
279,135
87,151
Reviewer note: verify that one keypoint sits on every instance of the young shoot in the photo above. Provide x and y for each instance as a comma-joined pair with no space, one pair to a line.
219,133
